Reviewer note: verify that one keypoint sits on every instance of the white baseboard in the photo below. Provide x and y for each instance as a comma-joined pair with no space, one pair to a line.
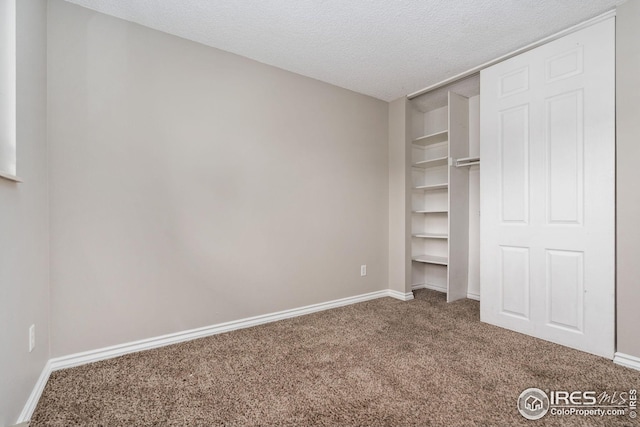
408,296
627,360
85,357
161,341
34,397
473,296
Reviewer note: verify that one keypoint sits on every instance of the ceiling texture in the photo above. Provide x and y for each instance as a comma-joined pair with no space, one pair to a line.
382,48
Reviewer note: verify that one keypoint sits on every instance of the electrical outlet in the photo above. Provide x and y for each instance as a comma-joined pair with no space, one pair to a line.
363,270
32,337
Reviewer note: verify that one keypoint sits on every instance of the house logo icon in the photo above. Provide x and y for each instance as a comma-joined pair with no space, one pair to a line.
533,403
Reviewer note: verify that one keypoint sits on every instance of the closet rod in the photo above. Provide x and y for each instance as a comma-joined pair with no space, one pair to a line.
466,161
528,47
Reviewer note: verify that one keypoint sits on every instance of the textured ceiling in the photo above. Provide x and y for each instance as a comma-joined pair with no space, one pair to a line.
382,48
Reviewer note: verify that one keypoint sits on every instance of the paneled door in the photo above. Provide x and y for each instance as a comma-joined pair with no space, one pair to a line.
548,191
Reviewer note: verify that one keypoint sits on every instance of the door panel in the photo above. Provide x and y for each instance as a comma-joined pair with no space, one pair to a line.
564,123
514,82
514,164
564,65
565,289
547,191
514,281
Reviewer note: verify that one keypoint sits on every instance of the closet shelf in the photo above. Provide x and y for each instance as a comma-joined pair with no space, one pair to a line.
431,235
434,138
431,259
431,187
440,161
431,211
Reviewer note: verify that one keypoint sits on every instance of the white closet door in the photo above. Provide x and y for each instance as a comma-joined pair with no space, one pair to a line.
548,191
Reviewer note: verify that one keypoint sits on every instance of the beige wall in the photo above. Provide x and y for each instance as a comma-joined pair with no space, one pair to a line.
190,186
628,196
24,265
399,203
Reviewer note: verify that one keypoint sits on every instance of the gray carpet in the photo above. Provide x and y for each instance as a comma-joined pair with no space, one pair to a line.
378,363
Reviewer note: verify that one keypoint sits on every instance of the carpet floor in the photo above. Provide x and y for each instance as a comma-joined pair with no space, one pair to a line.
378,363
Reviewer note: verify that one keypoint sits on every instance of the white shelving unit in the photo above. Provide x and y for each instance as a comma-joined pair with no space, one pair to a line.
440,198
429,187
431,163
432,138
431,259
431,236
429,211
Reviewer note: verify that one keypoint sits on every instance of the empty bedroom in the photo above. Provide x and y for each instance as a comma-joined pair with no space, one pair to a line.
319,213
